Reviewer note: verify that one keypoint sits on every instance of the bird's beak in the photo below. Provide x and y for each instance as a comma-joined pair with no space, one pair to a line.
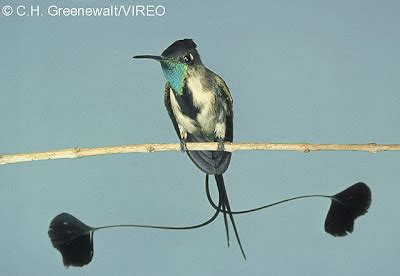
158,58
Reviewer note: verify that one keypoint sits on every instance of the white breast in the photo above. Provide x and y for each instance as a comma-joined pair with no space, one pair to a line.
204,100
184,121
201,96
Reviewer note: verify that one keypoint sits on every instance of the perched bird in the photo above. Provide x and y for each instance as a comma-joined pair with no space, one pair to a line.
199,104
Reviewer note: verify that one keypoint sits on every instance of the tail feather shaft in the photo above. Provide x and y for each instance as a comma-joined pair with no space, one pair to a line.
225,202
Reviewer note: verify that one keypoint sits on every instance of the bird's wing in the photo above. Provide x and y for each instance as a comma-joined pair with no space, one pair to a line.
167,103
226,94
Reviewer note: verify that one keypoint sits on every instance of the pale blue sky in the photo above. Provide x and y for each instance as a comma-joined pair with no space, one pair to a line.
298,71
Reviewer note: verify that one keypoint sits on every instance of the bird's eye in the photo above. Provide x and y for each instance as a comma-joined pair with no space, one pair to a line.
188,58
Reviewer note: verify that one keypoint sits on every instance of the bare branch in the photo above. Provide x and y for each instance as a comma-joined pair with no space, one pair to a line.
83,152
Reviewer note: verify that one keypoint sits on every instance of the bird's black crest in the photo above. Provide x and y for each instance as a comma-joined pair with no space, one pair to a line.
346,207
179,48
72,238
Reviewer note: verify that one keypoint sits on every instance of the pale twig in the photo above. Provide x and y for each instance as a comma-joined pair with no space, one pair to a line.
83,152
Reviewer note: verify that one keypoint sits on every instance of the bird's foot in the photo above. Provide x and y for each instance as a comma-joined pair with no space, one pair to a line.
183,146
221,145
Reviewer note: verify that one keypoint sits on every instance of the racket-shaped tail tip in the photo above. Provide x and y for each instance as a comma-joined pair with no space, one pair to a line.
346,207
72,238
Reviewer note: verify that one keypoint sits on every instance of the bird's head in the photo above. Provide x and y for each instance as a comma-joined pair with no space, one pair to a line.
175,62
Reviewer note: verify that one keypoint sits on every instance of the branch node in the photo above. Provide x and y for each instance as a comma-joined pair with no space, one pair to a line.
150,149
306,148
77,151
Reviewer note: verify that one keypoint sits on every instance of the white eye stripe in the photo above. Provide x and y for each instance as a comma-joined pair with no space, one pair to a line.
191,56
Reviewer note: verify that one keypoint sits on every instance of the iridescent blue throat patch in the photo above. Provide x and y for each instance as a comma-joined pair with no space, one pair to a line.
174,73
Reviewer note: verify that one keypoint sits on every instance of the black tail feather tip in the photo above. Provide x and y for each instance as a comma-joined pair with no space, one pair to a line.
346,207
72,238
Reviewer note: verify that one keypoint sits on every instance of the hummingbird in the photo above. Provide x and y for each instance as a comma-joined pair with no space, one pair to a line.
200,106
